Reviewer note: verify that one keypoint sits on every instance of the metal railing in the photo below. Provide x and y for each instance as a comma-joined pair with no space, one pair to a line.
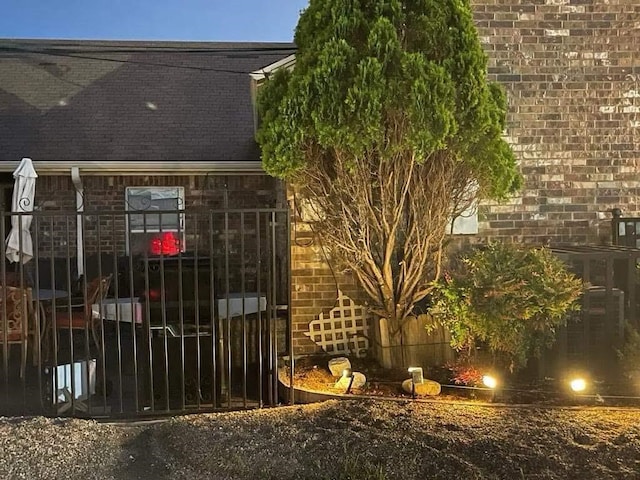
194,316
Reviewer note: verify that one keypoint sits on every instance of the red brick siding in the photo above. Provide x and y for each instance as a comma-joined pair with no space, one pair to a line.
314,285
572,73
106,195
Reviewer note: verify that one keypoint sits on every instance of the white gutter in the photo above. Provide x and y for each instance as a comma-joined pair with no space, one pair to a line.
136,167
77,183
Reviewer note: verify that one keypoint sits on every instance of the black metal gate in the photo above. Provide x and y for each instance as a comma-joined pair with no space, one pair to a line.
145,313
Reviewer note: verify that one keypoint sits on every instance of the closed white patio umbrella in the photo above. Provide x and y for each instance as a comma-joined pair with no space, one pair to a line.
19,242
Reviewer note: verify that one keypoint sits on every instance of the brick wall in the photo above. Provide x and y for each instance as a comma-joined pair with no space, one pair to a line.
314,284
56,192
56,197
571,69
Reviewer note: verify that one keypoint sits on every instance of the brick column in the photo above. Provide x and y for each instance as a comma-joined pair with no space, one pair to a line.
314,285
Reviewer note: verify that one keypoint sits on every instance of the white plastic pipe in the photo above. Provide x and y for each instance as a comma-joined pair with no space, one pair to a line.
77,183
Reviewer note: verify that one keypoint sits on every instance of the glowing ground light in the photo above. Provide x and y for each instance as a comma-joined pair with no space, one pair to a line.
489,381
578,384
416,374
347,373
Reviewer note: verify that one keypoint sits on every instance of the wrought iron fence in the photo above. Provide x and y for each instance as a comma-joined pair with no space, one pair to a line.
117,315
591,340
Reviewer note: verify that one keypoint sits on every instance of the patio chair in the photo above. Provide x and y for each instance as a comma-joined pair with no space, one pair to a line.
81,316
17,321
14,279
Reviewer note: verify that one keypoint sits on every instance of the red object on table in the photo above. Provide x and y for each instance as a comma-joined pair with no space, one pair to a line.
166,243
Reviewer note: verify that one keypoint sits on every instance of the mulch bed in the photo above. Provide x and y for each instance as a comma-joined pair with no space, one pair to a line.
312,373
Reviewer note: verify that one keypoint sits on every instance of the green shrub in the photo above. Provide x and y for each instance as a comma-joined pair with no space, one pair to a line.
508,299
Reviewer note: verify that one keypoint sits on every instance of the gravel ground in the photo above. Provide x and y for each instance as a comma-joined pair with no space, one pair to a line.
369,439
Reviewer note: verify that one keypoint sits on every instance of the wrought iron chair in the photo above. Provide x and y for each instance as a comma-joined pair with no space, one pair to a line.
81,317
17,321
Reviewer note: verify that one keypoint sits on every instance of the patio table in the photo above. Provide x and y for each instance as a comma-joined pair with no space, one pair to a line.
231,306
47,294
250,302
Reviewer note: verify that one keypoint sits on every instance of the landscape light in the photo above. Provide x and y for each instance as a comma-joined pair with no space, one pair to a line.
578,384
489,381
416,379
347,373
416,375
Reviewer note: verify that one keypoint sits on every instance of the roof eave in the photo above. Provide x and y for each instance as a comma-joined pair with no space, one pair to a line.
139,168
287,63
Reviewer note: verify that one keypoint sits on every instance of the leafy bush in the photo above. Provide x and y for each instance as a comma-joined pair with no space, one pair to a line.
508,299
465,373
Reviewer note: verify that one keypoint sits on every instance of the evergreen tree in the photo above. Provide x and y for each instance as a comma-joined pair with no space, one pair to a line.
388,126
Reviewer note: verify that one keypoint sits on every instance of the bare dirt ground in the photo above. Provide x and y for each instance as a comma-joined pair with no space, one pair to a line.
355,439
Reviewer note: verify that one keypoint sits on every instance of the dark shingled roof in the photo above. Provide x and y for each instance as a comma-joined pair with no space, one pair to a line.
130,101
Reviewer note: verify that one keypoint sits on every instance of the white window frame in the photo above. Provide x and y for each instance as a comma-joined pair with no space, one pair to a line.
180,211
466,223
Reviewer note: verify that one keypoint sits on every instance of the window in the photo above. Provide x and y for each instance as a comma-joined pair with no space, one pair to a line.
157,226
466,223
466,220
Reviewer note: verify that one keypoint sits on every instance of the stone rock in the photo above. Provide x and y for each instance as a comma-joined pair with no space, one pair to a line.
426,388
358,381
338,364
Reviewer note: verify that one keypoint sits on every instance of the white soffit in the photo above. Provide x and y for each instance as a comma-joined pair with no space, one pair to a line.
287,62
138,167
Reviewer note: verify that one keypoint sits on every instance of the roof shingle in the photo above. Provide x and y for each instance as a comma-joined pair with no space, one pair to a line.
130,101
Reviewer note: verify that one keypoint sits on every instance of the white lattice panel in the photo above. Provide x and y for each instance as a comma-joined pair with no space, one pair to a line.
344,329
